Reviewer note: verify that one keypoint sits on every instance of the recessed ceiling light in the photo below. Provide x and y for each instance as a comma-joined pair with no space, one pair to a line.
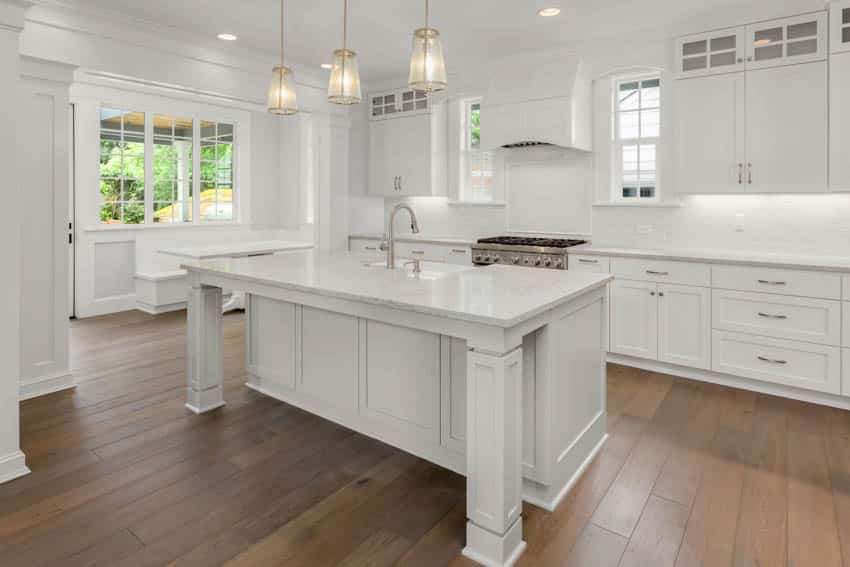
327,66
227,37
548,12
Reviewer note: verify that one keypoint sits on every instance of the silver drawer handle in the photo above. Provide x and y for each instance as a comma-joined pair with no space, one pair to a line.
585,261
417,252
458,251
652,273
371,248
772,360
769,282
771,316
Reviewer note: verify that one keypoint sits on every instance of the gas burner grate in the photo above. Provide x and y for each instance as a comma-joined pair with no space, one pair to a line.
527,241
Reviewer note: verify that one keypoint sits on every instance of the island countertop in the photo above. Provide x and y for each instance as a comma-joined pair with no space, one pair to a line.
501,296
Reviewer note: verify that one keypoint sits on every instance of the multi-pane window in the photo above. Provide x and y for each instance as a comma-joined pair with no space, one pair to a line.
216,171
172,169
637,134
176,147
476,165
122,166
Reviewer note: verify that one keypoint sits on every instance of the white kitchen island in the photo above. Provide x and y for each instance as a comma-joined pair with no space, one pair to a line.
497,373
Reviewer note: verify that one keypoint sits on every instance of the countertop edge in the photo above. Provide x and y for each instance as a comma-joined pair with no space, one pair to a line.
460,241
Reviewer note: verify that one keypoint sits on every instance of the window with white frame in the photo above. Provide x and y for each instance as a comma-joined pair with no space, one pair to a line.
637,135
165,189
476,165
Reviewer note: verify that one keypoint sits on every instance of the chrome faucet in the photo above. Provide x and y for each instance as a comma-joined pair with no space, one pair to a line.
390,244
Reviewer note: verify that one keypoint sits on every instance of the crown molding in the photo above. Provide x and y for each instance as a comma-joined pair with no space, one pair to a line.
12,14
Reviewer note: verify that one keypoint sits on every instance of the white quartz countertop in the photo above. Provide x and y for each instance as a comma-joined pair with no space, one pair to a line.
425,239
501,296
742,257
235,249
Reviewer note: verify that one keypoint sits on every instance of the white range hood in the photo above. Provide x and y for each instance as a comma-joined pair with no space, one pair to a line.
537,100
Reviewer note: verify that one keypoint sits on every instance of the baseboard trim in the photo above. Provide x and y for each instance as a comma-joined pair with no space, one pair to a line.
731,381
36,387
13,466
151,309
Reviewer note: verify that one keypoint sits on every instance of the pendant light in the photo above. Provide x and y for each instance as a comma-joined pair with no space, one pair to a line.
344,84
427,67
282,98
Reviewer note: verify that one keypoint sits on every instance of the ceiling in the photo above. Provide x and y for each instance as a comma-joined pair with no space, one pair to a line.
380,30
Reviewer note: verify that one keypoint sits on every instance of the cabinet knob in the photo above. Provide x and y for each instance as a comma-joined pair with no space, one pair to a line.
652,293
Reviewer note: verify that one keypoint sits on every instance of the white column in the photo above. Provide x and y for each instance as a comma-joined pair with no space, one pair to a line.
494,457
12,461
205,357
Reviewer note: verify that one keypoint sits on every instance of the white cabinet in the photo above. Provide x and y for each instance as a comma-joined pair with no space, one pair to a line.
710,135
840,25
407,154
710,53
684,325
366,249
839,120
758,124
799,39
634,319
786,124
594,264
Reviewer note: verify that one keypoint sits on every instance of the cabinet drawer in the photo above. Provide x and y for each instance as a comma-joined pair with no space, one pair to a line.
667,271
429,252
845,334
365,247
846,288
772,280
779,316
461,255
579,263
845,372
791,363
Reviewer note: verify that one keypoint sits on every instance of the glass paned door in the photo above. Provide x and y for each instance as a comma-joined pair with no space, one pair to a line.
840,22
800,39
710,53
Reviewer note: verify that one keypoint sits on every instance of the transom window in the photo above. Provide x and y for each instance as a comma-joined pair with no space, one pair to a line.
637,134
177,147
476,164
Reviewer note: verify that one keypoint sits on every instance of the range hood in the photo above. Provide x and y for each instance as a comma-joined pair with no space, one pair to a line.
537,100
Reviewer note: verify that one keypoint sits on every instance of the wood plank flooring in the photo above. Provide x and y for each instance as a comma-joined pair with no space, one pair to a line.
123,475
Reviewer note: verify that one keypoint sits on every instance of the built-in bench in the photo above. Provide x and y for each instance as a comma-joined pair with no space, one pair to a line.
161,292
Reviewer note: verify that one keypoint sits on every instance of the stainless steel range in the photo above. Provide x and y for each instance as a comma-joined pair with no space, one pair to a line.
521,251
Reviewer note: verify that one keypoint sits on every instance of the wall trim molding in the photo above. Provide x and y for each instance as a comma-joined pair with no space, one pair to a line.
49,384
151,309
13,466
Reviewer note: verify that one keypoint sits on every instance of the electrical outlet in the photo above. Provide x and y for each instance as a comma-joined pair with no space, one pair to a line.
643,228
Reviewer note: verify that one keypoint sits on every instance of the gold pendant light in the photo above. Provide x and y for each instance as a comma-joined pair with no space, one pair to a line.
282,98
344,84
427,67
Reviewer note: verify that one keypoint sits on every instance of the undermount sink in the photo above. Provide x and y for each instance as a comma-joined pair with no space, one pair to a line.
430,270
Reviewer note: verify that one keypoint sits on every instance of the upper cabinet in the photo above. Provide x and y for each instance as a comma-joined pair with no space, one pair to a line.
840,29
757,122
407,145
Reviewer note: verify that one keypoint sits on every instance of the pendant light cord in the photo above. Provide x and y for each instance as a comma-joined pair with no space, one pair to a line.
345,25
281,34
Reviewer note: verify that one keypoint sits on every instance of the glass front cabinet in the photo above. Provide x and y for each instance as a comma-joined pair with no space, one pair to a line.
840,32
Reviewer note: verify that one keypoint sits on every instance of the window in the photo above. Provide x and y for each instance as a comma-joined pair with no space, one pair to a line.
177,147
476,165
637,134
122,166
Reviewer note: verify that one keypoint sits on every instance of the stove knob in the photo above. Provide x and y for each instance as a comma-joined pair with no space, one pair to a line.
515,260
487,259
526,261
538,261
478,258
547,262
559,264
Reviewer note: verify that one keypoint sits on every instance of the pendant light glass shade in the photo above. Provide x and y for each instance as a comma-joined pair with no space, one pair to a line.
344,85
427,66
282,99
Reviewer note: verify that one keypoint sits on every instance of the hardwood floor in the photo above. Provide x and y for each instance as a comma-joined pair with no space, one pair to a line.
693,474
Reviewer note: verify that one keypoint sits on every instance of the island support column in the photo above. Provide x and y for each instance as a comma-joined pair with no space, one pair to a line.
494,457
205,360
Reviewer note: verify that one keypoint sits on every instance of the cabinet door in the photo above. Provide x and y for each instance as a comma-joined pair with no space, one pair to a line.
382,178
839,121
634,319
411,136
710,134
711,53
787,129
840,30
800,39
684,327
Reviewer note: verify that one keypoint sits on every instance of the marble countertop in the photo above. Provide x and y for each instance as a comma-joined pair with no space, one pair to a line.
740,257
423,238
235,249
501,296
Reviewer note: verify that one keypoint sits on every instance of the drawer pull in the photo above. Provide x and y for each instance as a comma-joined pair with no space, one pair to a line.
419,252
653,273
771,316
371,248
586,261
769,282
458,251
772,360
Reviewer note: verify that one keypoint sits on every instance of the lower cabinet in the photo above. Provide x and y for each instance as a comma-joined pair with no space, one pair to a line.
669,323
